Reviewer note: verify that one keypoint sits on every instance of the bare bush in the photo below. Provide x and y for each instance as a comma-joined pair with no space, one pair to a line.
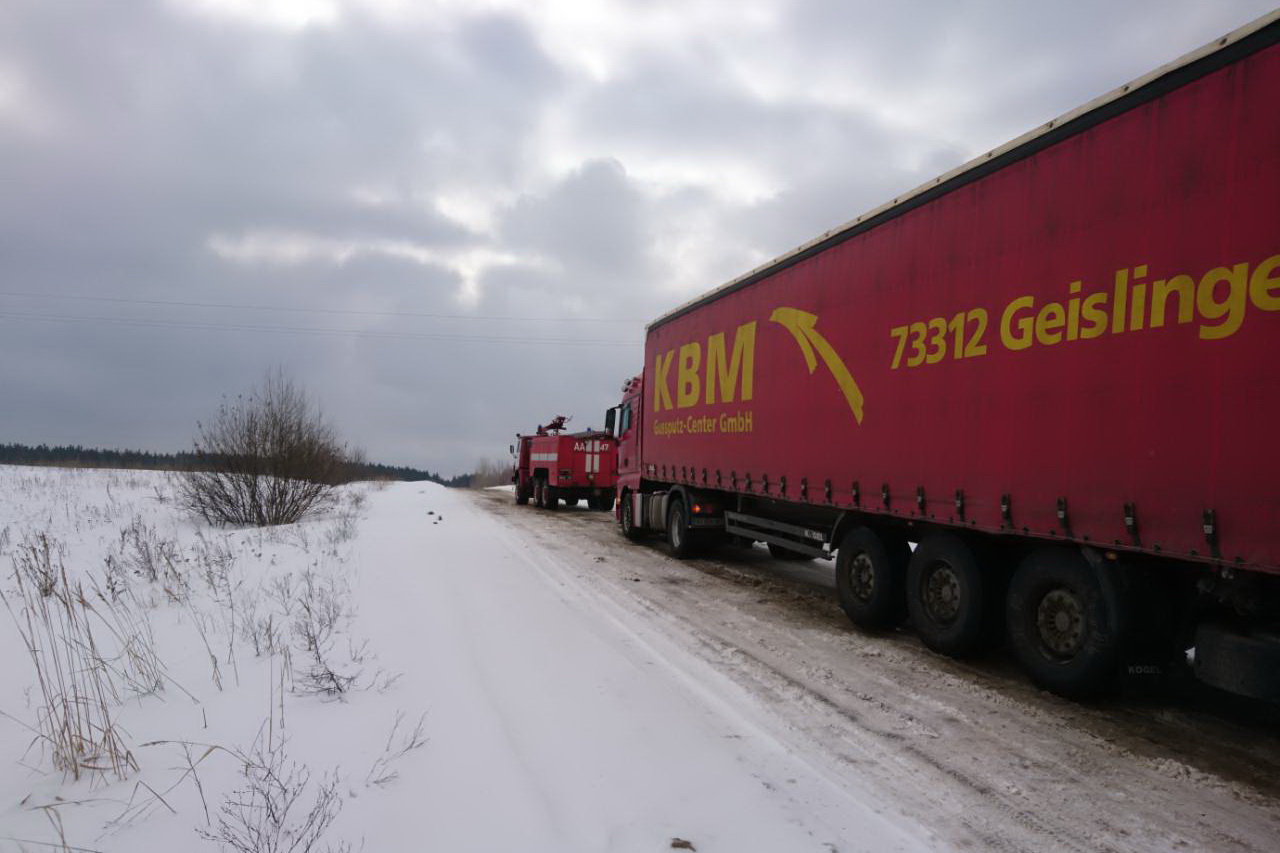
283,592
277,809
263,631
154,557
490,472
345,522
39,560
115,576
320,613
399,744
213,562
267,458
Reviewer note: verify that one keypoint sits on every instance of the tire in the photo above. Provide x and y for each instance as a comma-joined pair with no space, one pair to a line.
947,596
522,495
679,536
604,503
552,497
570,503
540,493
870,579
1061,624
625,520
778,552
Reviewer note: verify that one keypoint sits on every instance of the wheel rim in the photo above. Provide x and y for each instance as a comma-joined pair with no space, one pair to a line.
1060,624
942,593
626,514
677,529
862,577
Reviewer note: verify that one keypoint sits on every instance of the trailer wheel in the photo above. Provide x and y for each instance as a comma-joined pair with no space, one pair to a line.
626,518
1061,625
869,579
780,552
679,536
946,596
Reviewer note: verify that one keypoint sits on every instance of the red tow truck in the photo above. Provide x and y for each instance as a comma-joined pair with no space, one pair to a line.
1035,398
553,466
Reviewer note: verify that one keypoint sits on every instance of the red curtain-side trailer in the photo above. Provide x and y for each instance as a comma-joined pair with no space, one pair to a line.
1053,371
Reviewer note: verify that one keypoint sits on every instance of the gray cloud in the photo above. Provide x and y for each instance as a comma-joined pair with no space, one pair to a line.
465,164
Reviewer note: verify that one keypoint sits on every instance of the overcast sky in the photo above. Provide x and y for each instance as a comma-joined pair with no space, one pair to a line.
451,220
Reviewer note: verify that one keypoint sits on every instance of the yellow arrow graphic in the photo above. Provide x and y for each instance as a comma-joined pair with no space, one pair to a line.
801,326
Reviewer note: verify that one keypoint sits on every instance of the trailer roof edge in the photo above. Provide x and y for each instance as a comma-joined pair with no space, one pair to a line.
1244,40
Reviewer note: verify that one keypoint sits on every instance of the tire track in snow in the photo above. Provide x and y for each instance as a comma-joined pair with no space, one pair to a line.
887,748
984,757
702,679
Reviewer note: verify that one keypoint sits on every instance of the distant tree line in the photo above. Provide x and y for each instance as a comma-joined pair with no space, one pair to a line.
488,472
374,471
73,455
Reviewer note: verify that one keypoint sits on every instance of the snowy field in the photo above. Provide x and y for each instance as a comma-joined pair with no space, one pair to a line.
423,669
405,673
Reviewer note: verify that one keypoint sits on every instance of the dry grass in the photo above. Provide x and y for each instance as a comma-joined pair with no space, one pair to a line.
278,807
400,742
74,676
90,638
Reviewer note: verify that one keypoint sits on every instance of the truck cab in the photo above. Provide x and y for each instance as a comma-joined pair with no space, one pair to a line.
623,423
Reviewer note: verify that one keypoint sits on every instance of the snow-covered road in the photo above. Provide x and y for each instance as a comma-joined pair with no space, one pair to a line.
970,752
560,722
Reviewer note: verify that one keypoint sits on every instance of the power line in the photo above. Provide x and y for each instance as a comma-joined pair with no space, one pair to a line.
294,309
306,330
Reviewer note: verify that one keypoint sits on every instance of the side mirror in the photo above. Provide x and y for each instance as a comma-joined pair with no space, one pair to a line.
610,417
511,449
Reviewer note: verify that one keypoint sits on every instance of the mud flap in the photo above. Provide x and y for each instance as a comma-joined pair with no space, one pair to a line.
1238,663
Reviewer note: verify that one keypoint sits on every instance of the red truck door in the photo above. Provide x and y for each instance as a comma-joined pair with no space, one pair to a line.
629,435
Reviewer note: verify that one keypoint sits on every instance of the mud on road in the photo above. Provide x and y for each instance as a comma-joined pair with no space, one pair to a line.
970,750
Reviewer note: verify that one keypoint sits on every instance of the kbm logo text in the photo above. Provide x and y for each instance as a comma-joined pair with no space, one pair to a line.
723,373
727,374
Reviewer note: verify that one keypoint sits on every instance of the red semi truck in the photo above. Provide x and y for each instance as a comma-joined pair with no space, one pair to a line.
1038,396
553,466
